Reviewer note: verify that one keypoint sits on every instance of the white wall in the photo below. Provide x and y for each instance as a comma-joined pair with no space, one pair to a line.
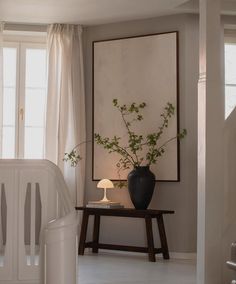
179,196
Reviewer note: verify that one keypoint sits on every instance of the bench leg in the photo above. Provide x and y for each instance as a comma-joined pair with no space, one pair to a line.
162,233
151,250
83,233
96,228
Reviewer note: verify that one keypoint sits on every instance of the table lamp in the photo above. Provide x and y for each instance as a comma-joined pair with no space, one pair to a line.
105,184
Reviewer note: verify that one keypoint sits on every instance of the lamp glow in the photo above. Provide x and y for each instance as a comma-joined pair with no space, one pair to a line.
105,184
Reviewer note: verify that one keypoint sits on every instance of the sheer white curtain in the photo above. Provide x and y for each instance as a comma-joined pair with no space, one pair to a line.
65,117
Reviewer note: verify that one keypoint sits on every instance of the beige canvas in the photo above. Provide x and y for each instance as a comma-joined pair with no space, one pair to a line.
138,69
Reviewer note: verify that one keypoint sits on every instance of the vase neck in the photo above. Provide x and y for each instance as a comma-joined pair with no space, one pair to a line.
141,168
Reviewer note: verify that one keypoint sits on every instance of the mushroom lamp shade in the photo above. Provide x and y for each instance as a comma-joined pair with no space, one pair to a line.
105,184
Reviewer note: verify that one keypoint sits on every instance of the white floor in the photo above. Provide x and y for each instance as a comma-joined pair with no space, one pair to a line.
113,268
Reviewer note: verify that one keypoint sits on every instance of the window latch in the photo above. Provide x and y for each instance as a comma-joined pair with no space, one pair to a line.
22,114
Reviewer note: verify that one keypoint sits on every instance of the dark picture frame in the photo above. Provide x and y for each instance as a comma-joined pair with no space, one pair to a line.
135,69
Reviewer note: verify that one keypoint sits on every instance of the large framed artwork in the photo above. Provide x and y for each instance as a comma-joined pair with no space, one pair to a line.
135,69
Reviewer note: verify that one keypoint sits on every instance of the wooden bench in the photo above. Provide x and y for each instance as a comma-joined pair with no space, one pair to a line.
148,215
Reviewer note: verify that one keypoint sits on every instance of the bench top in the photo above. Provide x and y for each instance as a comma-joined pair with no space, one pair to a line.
124,212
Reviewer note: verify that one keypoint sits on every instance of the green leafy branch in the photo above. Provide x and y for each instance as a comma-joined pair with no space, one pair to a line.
132,154
74,156
140,149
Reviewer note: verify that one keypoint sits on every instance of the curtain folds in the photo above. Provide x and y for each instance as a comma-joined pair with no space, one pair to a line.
65,114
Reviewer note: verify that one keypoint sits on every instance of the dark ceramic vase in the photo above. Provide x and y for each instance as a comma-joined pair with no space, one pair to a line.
141,183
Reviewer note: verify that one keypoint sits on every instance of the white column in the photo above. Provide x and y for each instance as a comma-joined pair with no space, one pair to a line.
210,137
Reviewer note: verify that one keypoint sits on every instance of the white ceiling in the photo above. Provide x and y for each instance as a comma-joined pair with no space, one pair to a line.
91,12
87,12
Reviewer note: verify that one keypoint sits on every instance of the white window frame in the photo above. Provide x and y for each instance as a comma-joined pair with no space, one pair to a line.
21,41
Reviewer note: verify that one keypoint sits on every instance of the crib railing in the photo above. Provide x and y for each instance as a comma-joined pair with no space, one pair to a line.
32,194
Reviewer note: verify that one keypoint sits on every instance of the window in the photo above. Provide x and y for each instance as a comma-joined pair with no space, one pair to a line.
22,111
230,75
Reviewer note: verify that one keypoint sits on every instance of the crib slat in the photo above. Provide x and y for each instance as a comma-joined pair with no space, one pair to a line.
32,223
1,229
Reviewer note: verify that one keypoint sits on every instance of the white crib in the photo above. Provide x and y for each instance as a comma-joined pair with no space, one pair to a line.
38,224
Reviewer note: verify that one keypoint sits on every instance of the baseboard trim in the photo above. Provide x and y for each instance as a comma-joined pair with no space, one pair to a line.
183,255
173,255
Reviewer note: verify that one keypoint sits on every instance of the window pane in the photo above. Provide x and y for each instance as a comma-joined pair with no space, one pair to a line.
9,101
35,100
34,143
230,60
9,67
230,100
36,68
8,107
8,142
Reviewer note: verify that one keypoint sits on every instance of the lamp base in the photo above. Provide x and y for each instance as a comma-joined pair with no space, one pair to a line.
104,200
